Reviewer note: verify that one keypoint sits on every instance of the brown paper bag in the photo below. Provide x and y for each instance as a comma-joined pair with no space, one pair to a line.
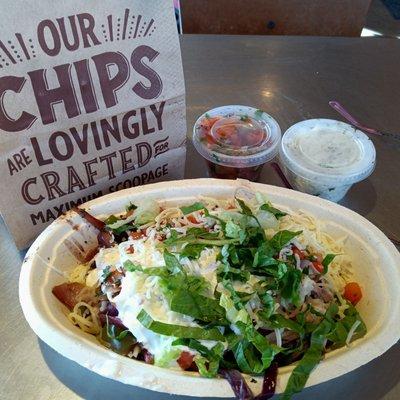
91,102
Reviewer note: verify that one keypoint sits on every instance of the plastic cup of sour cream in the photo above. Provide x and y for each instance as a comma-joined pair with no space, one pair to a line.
236,141
325,157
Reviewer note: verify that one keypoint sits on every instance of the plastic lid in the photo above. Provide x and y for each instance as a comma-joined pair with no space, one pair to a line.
327,150
237,136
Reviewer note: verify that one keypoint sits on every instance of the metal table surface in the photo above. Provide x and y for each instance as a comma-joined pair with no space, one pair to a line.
292,78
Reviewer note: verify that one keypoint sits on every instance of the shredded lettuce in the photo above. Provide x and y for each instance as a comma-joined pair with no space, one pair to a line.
192,208
232,314
290,285
234,231
253,352
196,235
168,358
326,261
272,210
266,219
192,250
282,238
207,360
146,212
311,358
178,331
197,306
209,365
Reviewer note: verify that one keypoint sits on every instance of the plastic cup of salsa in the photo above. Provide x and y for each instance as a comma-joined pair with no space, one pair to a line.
236,141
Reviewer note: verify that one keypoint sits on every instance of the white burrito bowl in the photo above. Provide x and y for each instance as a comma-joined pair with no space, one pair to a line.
376,264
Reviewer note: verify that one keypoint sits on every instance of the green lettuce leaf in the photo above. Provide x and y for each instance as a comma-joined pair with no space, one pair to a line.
267,220
341,328
197,306
146,212
270,208
172,283
233,314
268,303
193,207
326,261
112,219
290,285
165,360
225,272
268,350
209,366
171,262
198,236
130,207
246,210
207,361
281,238
310,360
193,344
279,321
131,267
253,352
221,221
234,231
192,250
178,331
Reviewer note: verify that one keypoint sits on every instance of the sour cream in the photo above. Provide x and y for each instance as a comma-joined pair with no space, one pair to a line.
325,157
141,291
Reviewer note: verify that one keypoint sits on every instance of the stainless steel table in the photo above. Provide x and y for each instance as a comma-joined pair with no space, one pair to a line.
293,78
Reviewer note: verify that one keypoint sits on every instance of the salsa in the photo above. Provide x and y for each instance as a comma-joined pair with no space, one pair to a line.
222,172
236,141
237,135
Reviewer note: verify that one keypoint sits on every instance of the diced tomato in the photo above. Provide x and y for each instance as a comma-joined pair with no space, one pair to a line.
300,253
318,266
319,258
352,293
192,219
136,235
185,360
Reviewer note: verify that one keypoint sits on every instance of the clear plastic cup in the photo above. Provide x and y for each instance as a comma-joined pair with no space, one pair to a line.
325,157
236,141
